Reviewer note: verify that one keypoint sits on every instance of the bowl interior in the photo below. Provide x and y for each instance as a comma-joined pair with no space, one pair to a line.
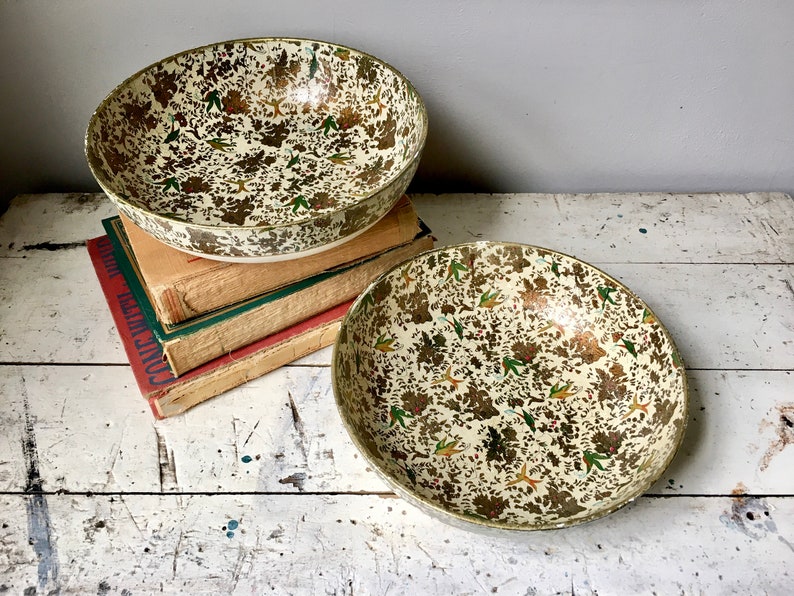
510,386
255,133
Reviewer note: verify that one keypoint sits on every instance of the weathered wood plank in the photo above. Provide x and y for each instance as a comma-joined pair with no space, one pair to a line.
282,433
623,228
721,316
85,429
54,311
604,228
371,545
39,225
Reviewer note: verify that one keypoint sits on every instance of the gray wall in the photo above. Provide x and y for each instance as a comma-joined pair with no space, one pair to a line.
545,96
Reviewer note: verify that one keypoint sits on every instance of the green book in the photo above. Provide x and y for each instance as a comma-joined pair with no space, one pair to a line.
191,343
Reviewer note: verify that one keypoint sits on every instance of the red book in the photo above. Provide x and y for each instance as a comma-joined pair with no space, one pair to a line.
169,395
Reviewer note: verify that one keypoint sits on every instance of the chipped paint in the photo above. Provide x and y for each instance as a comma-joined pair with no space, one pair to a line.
53,246
167,465
752,516
785,434
297,480
40,534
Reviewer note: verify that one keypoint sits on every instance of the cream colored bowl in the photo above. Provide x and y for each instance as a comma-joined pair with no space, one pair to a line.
509,386
258,149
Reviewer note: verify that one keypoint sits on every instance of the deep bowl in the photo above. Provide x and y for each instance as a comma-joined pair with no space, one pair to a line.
258,149
509,386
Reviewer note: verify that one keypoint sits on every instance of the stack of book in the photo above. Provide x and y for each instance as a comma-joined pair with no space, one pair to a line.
193,328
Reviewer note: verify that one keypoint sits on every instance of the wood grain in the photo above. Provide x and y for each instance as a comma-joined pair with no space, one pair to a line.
96,496
367,544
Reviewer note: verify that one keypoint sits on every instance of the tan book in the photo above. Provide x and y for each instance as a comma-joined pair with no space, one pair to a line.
169,395
190,344
182,286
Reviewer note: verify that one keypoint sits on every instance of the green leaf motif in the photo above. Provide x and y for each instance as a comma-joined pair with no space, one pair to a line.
328,124
172,136
213,99
314,65
510,365
169,183
299,202
605,293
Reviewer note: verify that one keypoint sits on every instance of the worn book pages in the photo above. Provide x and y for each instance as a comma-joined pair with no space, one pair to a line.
183,286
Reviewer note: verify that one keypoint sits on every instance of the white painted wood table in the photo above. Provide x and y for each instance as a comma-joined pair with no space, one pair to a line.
97,497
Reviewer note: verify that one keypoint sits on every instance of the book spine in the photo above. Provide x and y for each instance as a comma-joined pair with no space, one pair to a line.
194,391
143,351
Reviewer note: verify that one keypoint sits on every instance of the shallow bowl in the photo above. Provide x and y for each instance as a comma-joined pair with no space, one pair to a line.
258,149
509,386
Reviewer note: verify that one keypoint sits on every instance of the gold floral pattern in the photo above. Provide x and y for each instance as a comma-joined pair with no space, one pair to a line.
260,147
525,395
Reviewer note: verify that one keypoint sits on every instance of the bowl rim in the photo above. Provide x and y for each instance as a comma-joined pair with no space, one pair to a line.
309,217
474,522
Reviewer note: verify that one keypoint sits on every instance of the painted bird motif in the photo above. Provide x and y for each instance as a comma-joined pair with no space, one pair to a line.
555,268
384,344
314,64
510,365
405,274
340,159
213,99
220,145
447,378
528,419
624,344
276,105
294,158
605,293
240,184
454,270
409,472
298,203
367,302
522,477
328,124
593,459
398,416
559,391
636,406
490,299
376,101
168,183
174,134
447,449
456,325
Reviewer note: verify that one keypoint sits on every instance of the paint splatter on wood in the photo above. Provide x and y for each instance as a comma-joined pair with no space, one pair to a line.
165,457
40,534
297,480
785,434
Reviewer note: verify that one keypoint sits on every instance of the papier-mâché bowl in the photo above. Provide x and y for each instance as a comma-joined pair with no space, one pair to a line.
509,386
258,149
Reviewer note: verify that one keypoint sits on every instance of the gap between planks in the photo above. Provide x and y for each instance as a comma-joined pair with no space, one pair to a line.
381,494
328,365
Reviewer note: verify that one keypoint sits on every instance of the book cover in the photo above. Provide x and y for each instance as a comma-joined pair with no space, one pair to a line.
169,395
182,286
189,344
